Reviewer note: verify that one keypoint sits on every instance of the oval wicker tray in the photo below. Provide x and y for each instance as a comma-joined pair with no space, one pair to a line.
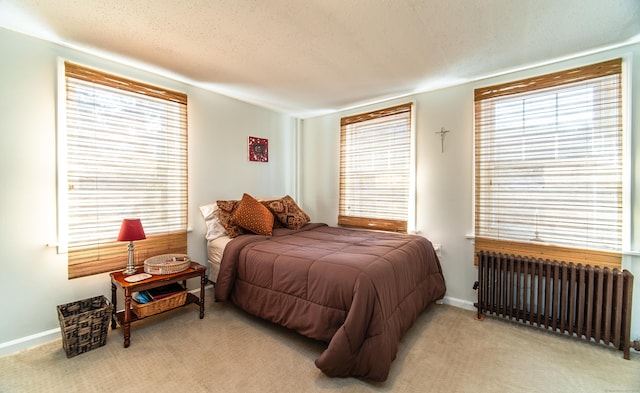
166,264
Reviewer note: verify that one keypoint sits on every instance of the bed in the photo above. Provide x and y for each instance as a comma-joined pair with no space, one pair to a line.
358,291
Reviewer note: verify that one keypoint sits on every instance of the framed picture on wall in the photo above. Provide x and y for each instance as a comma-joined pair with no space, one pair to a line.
258,149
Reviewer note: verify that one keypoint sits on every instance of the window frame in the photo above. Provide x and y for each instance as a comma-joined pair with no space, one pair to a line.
112,255
583,255
377,223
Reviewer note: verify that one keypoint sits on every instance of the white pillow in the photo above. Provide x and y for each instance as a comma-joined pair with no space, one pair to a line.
212,220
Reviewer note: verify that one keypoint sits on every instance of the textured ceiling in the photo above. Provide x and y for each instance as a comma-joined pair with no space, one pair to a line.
305,57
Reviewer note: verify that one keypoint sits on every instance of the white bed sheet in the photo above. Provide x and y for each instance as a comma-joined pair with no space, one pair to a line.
215,248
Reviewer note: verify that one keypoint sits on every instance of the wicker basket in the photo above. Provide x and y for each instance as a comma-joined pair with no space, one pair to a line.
84,324
166,264
157,306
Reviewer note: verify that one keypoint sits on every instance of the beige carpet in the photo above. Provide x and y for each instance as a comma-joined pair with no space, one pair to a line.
229,351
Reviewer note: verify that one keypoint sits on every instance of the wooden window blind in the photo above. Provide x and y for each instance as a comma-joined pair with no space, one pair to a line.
375,169
548,166
126,148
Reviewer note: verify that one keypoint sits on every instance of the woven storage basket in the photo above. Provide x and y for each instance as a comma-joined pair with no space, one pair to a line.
84,324
157,306
166,264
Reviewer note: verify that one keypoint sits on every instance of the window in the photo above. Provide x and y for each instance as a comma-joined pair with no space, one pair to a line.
376,177
549,166
125,157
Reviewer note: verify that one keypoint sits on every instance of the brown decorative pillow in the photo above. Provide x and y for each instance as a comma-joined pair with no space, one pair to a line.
289,213
225,211
253,216
276,222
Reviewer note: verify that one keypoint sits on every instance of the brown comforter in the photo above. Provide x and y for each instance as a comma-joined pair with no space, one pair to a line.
358,291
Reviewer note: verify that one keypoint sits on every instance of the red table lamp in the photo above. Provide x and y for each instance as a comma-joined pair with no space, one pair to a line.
130,230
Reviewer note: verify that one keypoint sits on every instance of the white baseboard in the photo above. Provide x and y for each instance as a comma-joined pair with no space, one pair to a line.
31,341
19,344
460,303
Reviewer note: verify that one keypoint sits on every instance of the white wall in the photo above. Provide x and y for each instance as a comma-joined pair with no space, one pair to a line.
445,180
33,277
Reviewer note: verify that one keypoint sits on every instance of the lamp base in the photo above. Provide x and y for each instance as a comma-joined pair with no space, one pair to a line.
129,271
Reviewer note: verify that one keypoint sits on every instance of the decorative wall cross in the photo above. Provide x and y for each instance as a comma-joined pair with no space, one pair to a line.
442,133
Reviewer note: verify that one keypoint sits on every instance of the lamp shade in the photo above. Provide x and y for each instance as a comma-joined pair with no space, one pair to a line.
131,230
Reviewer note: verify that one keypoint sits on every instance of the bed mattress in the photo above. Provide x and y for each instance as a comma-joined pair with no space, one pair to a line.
215,249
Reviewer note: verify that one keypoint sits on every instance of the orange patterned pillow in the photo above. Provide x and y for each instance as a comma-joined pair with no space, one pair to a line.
289,213
253,216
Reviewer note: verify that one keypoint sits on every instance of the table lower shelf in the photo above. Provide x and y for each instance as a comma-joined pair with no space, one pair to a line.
191,299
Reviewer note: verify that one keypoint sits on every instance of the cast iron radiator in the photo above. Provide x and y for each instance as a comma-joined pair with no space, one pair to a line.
587,302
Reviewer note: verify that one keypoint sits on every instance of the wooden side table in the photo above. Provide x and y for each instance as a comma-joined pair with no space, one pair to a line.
126,317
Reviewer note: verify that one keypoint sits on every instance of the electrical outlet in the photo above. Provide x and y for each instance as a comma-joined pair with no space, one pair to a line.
438,248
